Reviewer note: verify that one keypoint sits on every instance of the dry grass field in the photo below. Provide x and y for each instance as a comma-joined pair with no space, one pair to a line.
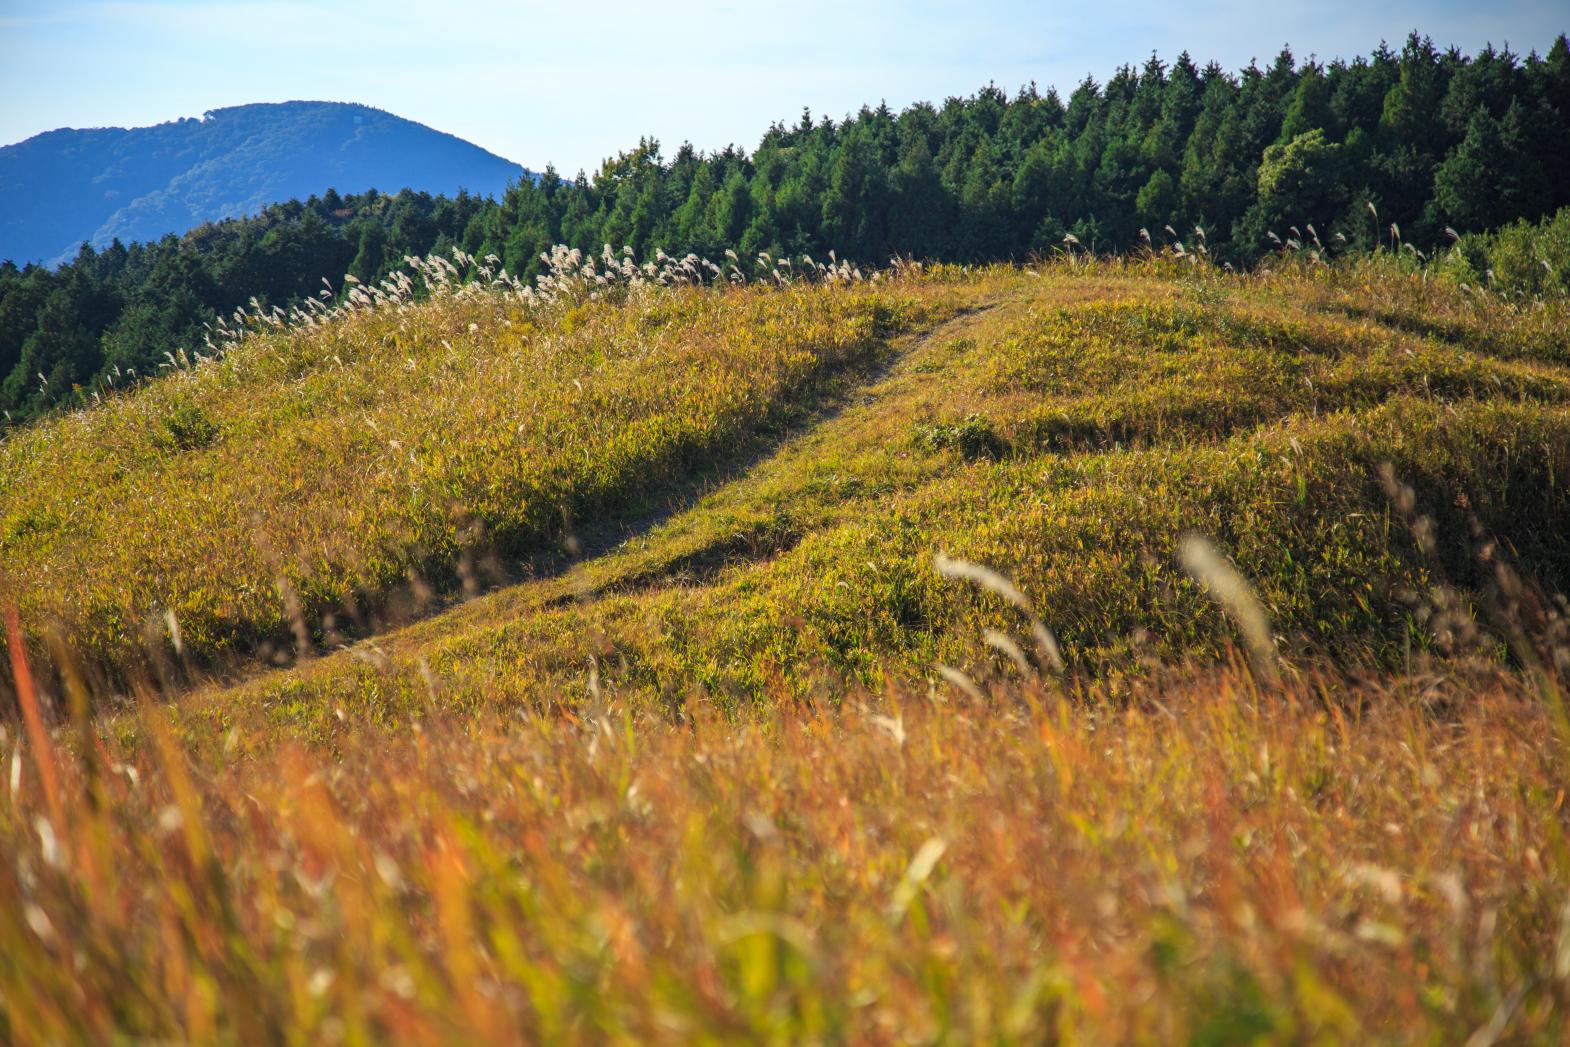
823,661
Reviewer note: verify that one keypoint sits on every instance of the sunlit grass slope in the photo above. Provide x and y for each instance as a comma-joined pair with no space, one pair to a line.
1065,426
1066,432
684,737
311,471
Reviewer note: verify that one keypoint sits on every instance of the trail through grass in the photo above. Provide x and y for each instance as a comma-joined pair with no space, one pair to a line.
273,499
1069,437
695,743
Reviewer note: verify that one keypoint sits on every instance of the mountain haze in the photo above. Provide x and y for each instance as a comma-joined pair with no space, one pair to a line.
67,186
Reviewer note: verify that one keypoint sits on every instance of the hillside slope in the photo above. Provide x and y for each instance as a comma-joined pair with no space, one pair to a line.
1067,430
591,675
64,187
1067,427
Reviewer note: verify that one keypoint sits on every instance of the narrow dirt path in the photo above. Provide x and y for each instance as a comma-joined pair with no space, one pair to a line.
621,554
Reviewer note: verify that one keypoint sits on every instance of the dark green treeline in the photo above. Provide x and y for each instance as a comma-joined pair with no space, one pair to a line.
1432,139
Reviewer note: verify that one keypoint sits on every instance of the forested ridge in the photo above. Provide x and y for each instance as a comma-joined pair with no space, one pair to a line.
1411,147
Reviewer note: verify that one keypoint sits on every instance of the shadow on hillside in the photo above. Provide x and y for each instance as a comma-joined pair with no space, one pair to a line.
482,567
1449,332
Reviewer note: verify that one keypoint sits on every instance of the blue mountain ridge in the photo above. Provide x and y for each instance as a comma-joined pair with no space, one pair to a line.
63,187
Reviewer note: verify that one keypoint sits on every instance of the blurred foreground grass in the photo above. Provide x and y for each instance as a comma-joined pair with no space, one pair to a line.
1338,863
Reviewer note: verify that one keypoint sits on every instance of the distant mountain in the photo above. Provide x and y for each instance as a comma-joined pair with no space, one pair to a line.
62,187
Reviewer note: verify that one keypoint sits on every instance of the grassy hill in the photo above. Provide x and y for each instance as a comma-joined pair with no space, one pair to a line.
579,663
756,480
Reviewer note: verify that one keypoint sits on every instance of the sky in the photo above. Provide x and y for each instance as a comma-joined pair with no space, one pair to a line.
572,82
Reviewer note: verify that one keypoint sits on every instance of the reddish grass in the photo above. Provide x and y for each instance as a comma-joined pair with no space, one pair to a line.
1382,860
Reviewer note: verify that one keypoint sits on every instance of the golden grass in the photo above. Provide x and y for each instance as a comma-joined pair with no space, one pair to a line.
315,469
1068,434
1337,863
752,767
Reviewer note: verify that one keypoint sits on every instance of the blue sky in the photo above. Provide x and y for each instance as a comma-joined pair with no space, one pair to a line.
572,81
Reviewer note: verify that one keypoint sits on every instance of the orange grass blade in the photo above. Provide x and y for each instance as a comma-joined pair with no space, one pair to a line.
37,733
178,776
